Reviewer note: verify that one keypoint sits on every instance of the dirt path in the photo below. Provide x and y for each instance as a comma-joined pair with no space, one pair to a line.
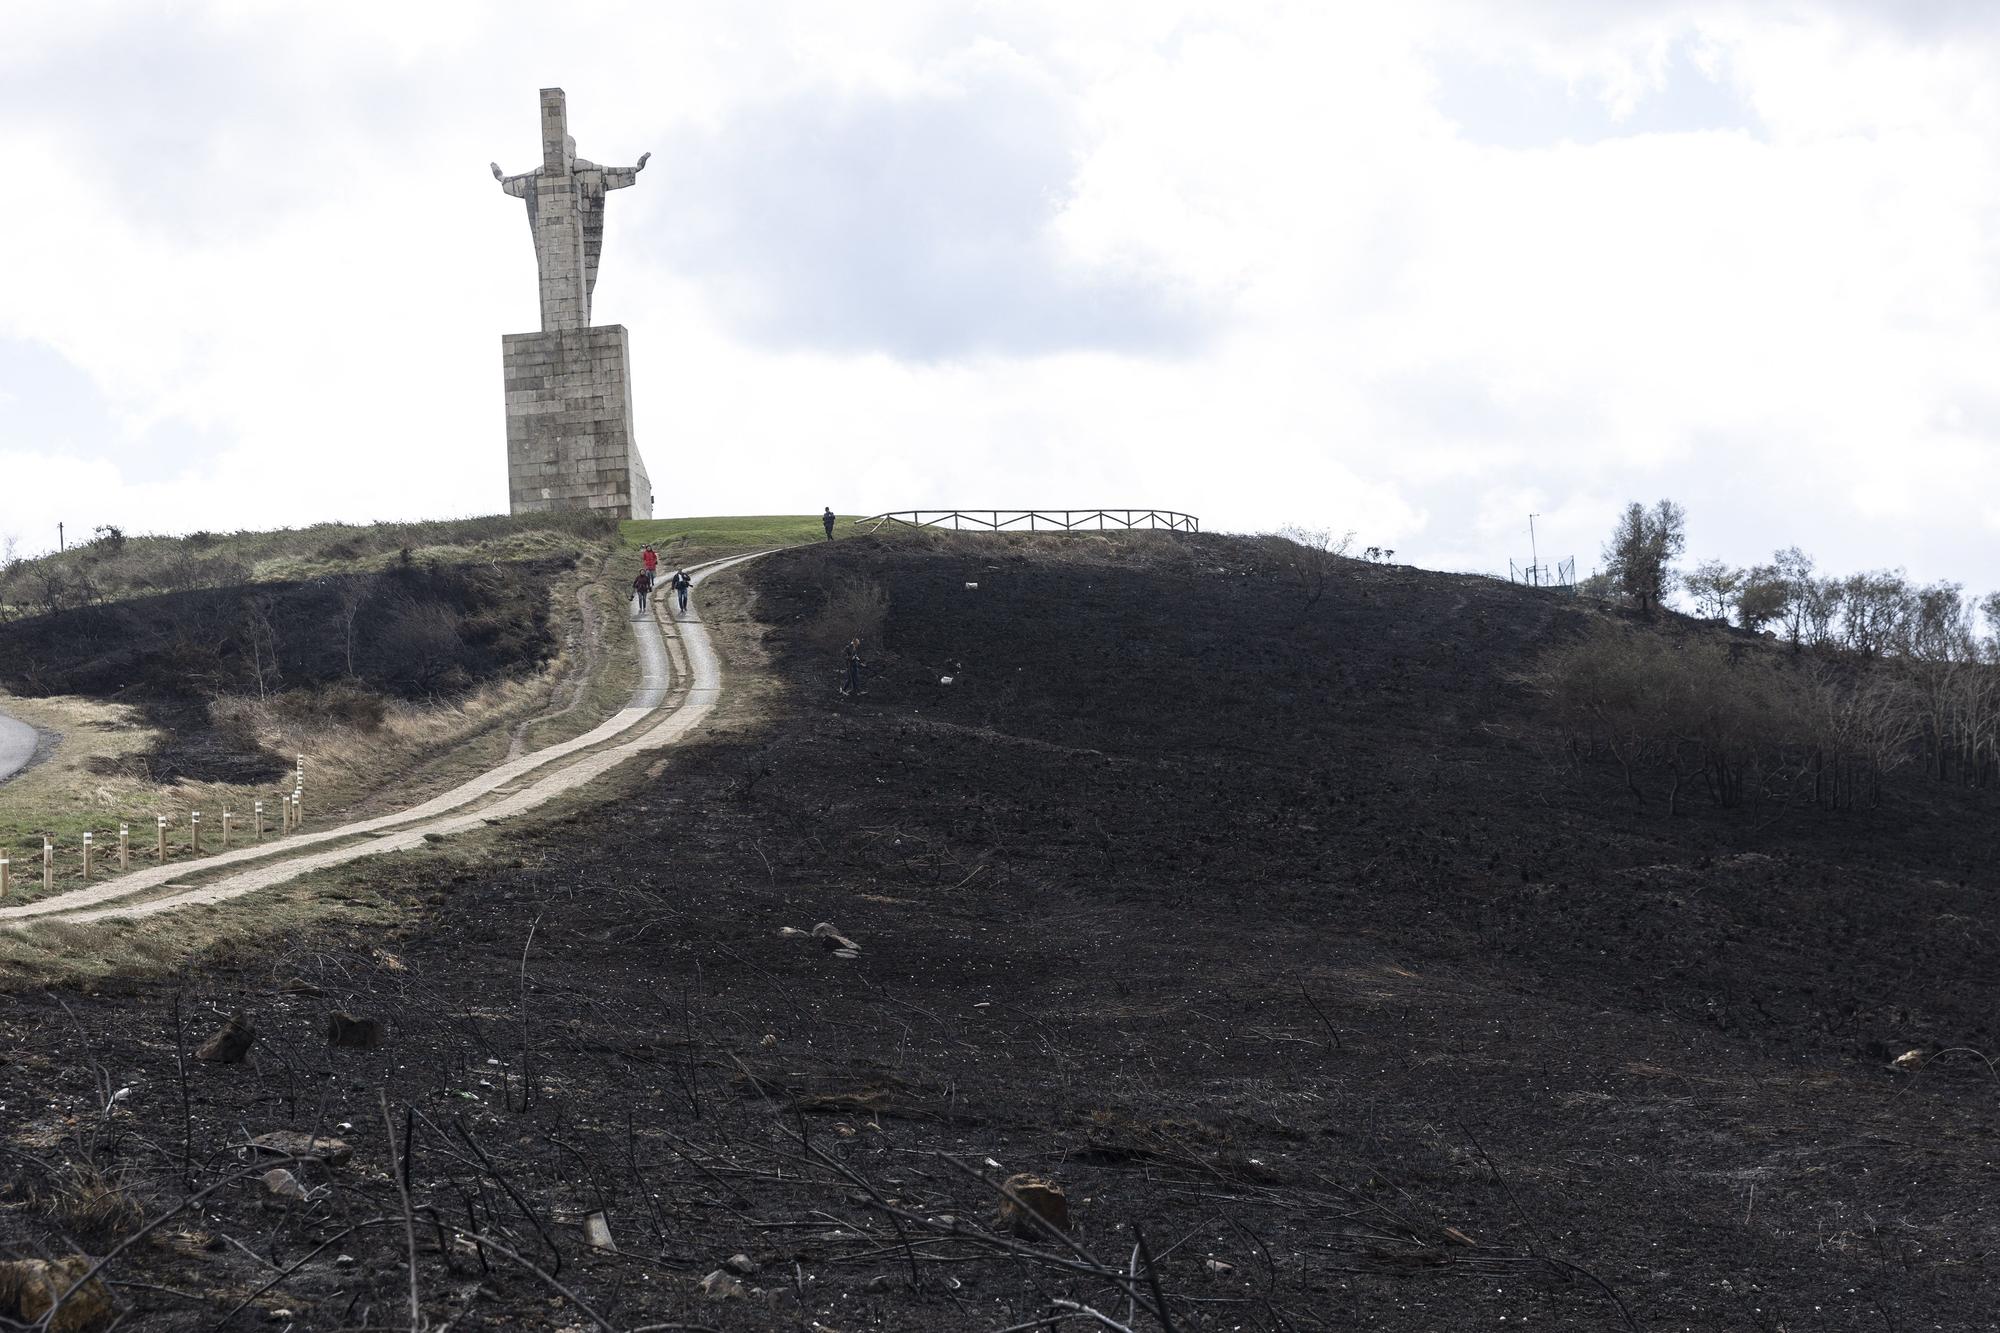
656,635
591,645
17,746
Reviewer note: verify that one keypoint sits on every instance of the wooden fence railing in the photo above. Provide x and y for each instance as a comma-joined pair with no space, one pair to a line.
1040,520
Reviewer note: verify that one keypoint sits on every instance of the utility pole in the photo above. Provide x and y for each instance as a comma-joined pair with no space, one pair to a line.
1534,553
59,538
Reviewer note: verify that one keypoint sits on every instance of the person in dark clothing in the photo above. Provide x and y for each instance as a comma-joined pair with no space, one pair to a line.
854,666
681,584
642,588
826,520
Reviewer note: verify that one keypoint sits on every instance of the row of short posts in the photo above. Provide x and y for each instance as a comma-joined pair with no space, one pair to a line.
292,818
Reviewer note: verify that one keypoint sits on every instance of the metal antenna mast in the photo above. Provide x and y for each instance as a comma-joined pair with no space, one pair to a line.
1534,552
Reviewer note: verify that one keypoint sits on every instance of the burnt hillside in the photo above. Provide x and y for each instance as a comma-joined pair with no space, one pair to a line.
412,630
1283,937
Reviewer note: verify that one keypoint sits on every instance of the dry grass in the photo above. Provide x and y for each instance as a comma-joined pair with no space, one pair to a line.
138,566
91,1204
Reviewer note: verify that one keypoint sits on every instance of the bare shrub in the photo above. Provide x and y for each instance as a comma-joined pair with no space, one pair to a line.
1308,557
853,608
420,646
334,705
1735,724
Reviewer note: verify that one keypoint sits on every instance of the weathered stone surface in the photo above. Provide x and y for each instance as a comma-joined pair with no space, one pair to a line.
570,443
230,1045
28,1287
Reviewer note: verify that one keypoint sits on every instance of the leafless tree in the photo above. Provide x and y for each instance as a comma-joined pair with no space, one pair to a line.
350,595
1309,556
260,632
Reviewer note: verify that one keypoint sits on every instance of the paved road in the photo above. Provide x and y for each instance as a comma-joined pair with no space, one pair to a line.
17,746
408,829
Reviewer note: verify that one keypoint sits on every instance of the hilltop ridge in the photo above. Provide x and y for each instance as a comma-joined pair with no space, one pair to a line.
1288,932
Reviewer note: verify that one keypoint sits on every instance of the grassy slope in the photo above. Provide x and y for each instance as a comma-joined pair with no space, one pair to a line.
90,783
141,565
710,537
85,788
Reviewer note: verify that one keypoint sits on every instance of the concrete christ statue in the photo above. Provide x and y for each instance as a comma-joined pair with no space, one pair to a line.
566,213
570,443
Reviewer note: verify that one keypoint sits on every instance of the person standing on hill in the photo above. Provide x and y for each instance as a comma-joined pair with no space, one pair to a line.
854,666
826,520
681,583
651,560
642,587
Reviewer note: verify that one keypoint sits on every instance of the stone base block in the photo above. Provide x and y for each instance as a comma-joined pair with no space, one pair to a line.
569,423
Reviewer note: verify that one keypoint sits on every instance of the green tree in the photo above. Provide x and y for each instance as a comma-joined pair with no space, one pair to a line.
1640,555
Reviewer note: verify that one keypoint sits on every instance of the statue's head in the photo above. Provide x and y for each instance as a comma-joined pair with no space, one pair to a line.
558,148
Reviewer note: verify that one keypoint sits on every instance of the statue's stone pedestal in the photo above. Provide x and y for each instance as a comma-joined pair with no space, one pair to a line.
569,423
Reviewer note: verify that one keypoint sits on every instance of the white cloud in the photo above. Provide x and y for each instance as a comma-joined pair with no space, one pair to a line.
1403,269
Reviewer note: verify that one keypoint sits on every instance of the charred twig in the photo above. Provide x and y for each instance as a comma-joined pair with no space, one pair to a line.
527,1052
512,1193
97,1265
1153,1281
855,1177
1319,1013
409,1220
294,1267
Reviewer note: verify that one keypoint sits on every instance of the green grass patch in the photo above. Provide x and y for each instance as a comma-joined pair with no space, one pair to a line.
711,537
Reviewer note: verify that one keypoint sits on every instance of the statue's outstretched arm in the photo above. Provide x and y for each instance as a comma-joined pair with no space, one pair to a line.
617,178
514,185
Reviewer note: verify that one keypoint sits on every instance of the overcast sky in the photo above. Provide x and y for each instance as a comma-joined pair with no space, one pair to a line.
1412,269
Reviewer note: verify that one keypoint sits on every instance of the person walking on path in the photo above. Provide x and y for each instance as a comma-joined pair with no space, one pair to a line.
642,587
681,584
651,560
854,666
826,520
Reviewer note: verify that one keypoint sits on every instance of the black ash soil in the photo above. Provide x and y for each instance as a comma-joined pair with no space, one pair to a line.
1283,936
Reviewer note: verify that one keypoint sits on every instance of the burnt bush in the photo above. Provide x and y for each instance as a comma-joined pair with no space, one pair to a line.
343,704
1738,723
418,631
325,646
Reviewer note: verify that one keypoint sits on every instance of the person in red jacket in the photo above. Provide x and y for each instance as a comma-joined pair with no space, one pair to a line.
651,560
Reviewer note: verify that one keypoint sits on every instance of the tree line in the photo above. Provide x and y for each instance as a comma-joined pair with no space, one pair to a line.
1883,673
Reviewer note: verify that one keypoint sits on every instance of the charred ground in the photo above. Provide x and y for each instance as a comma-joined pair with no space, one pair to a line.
1284,934
412,630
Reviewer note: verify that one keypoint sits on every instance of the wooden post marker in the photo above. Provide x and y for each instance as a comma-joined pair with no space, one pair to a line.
258,816
226,817
124,846
161,824
86,856
298,808
194,832
48,864
5,867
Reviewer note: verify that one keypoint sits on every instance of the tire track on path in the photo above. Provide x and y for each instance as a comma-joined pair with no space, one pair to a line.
410,828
